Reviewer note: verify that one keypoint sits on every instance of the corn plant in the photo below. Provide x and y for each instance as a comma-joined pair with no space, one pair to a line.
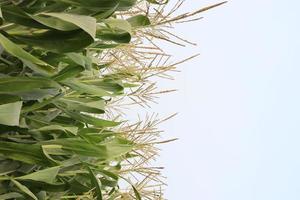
67,68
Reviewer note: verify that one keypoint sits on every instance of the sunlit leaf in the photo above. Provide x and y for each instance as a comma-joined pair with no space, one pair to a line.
10,113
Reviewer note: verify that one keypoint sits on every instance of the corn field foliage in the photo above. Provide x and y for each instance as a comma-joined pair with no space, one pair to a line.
67,70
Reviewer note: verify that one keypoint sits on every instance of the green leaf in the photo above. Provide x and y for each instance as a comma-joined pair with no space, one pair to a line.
159,2
77,146
136,193
118,36
58,41
96,4
139,21
68,72
27,153
32,62
6,98
54,22
71,129
10,113
107,13
86,88
95,135
84,105
119,24
11,195
47,175
8,166
39,105
14,85
96,183
86,23
107,85
80,59
126,4
14,14
91,120
24,189
100,46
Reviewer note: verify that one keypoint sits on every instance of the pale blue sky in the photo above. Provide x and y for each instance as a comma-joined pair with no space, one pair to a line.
239,106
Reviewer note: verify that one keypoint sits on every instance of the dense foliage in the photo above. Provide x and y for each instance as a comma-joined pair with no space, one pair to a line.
58,137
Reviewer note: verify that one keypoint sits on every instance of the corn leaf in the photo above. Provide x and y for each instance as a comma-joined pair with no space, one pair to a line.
24,189
96,183
86,23
139,21
47,175
10,113
32,62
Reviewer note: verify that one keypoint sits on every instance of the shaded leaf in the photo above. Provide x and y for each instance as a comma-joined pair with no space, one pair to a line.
58,41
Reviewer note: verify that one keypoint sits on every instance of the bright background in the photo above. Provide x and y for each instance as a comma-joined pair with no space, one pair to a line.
238,104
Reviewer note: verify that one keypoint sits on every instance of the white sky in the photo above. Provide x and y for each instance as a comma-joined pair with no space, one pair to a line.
239,106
